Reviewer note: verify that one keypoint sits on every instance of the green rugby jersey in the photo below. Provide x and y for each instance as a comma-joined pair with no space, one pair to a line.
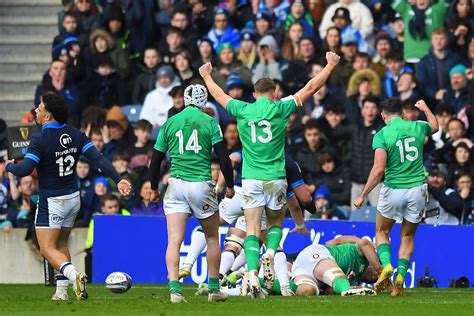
403,141
262,128
349,260
189,137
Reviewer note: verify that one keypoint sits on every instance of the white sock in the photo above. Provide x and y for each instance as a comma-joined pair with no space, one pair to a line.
62,284
198,243
69,271
271,252
227,259
281,270
239,261
232,291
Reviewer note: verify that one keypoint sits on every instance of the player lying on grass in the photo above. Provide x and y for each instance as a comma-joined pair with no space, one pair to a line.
399,158
342,262
262,127
190,136
230,210
54,152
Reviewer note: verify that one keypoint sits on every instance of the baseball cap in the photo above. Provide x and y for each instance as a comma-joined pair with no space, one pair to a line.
165,70
342,13
438,170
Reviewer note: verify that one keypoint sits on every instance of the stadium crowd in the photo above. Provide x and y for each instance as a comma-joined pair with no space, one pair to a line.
123,65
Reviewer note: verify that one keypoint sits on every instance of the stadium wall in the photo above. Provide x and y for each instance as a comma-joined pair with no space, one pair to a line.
137,245
21,264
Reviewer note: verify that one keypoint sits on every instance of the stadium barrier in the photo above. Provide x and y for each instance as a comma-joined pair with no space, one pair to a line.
21,264
137,245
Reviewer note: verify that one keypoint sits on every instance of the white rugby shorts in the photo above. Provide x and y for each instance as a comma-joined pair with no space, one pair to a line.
264,193
399,204
58,211
308,259
231,209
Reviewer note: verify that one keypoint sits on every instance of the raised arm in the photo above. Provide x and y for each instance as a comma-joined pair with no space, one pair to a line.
423,107
217,93
318,81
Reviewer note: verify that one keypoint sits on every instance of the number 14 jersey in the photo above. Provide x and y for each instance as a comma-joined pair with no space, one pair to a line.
403,141
55,150
262,128
189,137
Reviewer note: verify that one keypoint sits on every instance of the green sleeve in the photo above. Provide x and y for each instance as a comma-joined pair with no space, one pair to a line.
401,6
426,127
378,141
234,106
161,143
216,132
90,235
287,106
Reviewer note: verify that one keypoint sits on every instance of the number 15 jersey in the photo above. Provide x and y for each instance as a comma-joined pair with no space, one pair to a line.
262,129
403,141
55,150
189,137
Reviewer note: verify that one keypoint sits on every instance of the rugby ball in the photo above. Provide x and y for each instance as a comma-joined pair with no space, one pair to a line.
118,282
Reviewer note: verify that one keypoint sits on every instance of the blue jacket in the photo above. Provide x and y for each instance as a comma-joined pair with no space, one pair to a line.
230,35
390,83
426,72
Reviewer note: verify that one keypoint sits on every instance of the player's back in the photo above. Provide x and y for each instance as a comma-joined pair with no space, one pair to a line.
262,128
189,137
349,260
57,147
403,141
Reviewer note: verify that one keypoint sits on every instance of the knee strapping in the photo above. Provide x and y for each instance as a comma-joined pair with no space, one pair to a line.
330,276
234,240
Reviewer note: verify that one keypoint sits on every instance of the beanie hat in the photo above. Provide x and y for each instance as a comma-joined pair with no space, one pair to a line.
234,81
167,71
116,114
458,69
225,45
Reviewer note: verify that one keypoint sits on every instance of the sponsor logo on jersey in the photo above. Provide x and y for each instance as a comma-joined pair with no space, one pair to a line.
65,140
55,219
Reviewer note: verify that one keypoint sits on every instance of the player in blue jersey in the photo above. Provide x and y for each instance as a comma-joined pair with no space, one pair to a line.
54,152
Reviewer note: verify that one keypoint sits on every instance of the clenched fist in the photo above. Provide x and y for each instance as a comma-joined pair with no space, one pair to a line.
421,105
332,58
205,70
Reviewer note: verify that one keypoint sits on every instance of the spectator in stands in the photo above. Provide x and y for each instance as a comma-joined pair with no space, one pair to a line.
228,63
235,86
307,156
202,15
144,206
263,25
121,162
457,94
56,80
101,43
101,140
362,155
231,137
105,87
172,45
407,87
333,119
383,46
26,202
315,106
115,25
332,41
158,102
342,73
444,113
101,188
356,11
240,12
74,59
183,64
336,176
70,28
299,14
177,94
247,52
457,132
206,53
419,22
343,21
464,186
145,81
462,161
460,24
363,83
445,205
180,19
290,49
396,28
223,32
7,212
120,130
269,64
326,209
395,67
409,111
140,152
432,71
85,182
88,15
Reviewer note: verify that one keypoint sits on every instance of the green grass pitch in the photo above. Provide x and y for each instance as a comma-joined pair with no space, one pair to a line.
154,300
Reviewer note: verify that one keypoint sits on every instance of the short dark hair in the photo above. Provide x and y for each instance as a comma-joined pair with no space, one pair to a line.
463,172
56,105
70,15
175,30
444,107
371,99
121,156
363,55
264,85
392,106
394,55
180,11
455,119
215,160
114,124
312,124
176,92
409,105
83,159
335,107
325,157
108,197
144,125
283,85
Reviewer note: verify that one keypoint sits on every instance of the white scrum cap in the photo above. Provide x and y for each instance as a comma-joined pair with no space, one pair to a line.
196,95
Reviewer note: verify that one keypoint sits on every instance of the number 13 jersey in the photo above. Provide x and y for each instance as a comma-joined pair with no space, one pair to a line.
262,128
56,150
403,141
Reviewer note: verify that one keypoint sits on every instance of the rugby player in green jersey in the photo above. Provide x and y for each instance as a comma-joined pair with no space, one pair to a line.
262,128
399,157
189,137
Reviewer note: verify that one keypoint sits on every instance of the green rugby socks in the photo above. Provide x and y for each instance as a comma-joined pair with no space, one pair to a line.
341,285
403,265
175,287
384,252
274,235
252,252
